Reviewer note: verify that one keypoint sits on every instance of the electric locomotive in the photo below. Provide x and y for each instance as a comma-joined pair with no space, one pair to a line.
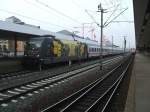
50,49
57,48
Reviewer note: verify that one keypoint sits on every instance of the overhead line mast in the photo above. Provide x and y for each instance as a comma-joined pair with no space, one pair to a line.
101,10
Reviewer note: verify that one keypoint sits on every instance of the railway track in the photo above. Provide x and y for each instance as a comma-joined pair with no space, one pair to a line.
14,74
21,73
12,93
96,95
23,79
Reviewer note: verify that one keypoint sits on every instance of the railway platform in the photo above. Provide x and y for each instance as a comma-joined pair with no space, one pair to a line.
9,65
138,99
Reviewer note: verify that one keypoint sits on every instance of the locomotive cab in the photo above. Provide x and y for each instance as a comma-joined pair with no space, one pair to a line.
36,50
33,47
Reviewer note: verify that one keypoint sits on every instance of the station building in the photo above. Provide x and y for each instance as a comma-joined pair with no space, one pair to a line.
14,34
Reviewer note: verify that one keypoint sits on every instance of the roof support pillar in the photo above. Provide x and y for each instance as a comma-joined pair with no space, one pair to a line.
15,42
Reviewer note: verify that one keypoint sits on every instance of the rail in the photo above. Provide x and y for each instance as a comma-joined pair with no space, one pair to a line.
8,94
85,99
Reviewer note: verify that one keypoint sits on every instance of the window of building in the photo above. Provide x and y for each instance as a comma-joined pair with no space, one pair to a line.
7,48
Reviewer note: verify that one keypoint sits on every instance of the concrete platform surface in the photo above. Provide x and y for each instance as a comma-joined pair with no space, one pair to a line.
138,99
8,65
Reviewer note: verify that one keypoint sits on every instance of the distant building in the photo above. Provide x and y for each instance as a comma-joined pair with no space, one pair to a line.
65,32
13,27
16,20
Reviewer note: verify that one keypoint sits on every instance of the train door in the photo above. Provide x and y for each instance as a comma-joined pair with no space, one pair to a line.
46,51
83,50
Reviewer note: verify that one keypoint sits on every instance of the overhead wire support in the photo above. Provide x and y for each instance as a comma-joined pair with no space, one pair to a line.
112,14
106,24
123,21
117,10
113,6
101,10
92,17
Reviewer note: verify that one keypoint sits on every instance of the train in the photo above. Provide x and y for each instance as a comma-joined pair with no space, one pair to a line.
49,49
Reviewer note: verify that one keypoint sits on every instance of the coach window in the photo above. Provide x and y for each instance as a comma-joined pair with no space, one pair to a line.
89,49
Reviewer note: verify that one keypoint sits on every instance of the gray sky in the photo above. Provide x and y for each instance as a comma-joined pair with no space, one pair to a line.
67,14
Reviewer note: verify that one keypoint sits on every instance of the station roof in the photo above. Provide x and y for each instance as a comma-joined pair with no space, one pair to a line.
8,29
142,22
78,38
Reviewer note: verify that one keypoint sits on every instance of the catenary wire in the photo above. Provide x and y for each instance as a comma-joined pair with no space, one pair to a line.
57,11
45,10
31,18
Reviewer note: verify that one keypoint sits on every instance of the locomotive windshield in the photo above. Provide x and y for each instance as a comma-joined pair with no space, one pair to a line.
33,46
34,43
